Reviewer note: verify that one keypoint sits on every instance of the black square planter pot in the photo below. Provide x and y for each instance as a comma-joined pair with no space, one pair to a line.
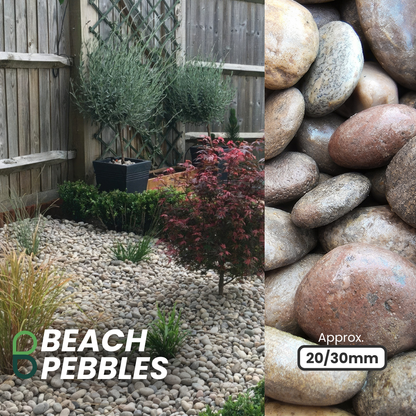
129,178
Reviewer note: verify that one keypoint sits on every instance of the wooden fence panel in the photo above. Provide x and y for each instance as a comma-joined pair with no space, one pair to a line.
232,31
34,98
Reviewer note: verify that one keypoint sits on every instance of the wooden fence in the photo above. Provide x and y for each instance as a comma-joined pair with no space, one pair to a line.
34,97
233,31
43,140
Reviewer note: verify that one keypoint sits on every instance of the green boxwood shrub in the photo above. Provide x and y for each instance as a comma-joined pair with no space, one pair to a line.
117,210
78,200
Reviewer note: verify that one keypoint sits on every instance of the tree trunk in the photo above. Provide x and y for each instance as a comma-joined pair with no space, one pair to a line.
221,284
121,144
209,131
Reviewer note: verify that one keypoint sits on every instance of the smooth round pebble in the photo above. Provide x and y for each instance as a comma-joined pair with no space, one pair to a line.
375,87
401,183
372,225
285,381
372,137
288,177
274,408
390,392
323,13
280,289
313,137
284,242
349,14
330,200
390,27
362,290
283,115
336,70
409,99
323,177
378,184
291,43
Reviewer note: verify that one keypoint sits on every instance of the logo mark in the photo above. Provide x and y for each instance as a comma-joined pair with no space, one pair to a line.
24,355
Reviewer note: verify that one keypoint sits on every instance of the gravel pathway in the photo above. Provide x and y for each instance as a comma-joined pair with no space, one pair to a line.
223,356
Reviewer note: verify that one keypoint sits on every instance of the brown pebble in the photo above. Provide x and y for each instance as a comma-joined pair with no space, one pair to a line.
362,290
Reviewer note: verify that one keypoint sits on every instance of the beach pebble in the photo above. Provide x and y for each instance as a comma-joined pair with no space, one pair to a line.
284,242
323,13
360,290
291,43
390,392
372,225
288,177
313,137
285,381
283,115
336,70
375,87
390,27
280,289
409,99
401,183
349,14
330,200
378,184
274,408
372,137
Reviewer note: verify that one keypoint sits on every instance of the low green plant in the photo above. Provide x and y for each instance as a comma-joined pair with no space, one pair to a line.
25,223
250,403
134,251
30,293
166,337
78,199
118,210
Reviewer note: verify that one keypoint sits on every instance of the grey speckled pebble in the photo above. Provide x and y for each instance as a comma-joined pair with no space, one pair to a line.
372,225
284,242
390,392
336,70
288,177
330,200
280,289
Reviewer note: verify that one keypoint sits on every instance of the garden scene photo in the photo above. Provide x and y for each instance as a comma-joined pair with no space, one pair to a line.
131,208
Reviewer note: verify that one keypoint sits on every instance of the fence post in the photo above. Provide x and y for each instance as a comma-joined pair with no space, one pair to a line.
180,11
82,16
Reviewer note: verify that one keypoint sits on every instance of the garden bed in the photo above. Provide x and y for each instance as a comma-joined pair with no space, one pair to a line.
223,355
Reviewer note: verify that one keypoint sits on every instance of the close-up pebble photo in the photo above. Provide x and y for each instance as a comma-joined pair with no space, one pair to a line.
340,216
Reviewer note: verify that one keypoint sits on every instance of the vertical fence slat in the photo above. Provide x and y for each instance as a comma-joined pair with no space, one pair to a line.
44,96
4,179
54,91
11,89
32,45
64,85
22,94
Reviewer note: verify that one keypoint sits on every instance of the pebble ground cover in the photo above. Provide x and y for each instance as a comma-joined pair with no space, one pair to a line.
340,201
222,357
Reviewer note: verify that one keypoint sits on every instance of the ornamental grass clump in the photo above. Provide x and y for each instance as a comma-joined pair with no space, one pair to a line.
198,93
30,293
134,251
220,224
121,83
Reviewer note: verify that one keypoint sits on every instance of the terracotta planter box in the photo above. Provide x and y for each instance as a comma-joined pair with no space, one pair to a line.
158,180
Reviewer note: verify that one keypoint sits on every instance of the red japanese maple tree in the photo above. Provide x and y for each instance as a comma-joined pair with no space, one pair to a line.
220,224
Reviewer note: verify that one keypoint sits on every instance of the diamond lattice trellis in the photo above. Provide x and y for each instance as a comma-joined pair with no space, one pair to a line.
137,18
